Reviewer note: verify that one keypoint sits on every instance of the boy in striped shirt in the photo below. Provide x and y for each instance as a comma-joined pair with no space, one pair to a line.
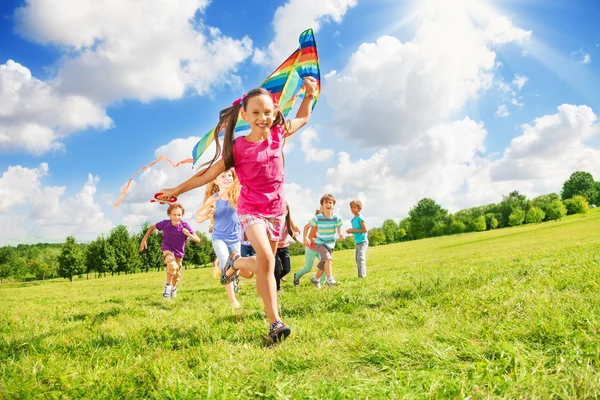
325,225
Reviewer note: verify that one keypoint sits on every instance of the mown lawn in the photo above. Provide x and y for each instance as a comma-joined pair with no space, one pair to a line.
512,313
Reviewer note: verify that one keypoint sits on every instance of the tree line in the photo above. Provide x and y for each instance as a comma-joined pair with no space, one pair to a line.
118,253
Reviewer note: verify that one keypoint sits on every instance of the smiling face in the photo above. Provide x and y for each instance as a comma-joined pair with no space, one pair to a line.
175,215
327,205
354,209
224,180
260,113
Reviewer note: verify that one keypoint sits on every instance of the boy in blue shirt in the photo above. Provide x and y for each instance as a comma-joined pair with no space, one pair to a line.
324,226
359,231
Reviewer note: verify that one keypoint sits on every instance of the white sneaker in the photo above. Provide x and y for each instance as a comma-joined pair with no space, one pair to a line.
315,281
167,292
173,292
331,282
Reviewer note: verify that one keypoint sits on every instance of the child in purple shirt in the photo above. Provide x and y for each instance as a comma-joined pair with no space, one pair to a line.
175,233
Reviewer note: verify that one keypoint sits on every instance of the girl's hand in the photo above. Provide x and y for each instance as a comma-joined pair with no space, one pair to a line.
310,84
143,246
167,194
306,242
185,232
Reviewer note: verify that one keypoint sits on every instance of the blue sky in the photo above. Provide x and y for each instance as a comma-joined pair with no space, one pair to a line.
459,101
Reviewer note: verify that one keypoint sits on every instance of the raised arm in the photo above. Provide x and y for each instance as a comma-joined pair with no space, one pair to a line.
305,108
200,179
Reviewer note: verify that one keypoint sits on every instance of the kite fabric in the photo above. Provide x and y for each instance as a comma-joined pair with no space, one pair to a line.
285,85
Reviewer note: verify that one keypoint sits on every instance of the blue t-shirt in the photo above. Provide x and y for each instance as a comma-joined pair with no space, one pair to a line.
227,223
356,224
326,229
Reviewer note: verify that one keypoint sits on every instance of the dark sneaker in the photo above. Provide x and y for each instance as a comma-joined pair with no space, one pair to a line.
296,281
229,265
279,331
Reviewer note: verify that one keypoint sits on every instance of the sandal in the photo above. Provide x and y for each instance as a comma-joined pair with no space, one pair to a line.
229,265
279,331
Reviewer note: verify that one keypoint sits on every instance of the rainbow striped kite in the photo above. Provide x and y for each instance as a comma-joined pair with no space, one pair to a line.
285,84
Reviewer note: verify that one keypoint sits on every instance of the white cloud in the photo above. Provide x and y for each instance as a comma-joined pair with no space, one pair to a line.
502,111
519,81
515,102
586,59
501,30
134,50
581,55
307,138
35,116
293,18
37,213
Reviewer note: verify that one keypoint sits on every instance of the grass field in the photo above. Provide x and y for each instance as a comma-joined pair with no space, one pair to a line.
512,313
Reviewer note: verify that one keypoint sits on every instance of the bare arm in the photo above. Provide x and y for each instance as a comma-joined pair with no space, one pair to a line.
363,228
305,238
143,244
340,234
305,109
200,179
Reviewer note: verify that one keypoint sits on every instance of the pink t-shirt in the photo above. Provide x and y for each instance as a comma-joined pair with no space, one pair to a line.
259,167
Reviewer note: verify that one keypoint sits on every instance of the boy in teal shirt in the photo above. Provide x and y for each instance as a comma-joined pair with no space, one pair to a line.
359,231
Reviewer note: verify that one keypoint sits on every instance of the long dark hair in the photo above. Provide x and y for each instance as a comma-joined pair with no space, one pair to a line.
288,222
228,117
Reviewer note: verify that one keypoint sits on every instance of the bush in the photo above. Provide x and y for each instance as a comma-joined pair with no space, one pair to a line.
577,205
556,210
516,217
535,215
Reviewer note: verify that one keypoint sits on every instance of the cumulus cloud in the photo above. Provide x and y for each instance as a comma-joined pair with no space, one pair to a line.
294,17
34,212
519,81
35,116
502,111
134,50
311,153
389,92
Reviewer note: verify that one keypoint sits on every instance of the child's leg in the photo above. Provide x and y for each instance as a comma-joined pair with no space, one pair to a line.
171,266
361,258
177,274
309,260
278,272
284,257
328,269
263,265
222,251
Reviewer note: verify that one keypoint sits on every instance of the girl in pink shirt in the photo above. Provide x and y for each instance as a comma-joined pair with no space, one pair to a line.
258,161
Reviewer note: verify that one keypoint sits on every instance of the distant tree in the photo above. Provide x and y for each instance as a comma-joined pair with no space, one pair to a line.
401,234
390,230
479,224
456,226
556,210
7,259
376,237
544,202
491,221
580,183
424,217
577,205
596,201
516,217
347,243
70,260
404,225
126,250
152,256
535,215
509,204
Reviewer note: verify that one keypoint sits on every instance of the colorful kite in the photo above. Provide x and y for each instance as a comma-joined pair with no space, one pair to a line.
286,86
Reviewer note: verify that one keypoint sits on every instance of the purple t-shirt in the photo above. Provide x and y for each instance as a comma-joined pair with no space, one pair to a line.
259,167
173,236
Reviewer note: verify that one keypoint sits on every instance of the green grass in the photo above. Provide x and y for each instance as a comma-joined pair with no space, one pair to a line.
512,313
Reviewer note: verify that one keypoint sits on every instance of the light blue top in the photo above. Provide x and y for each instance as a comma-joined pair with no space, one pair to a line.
326,229
356,224
227,223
